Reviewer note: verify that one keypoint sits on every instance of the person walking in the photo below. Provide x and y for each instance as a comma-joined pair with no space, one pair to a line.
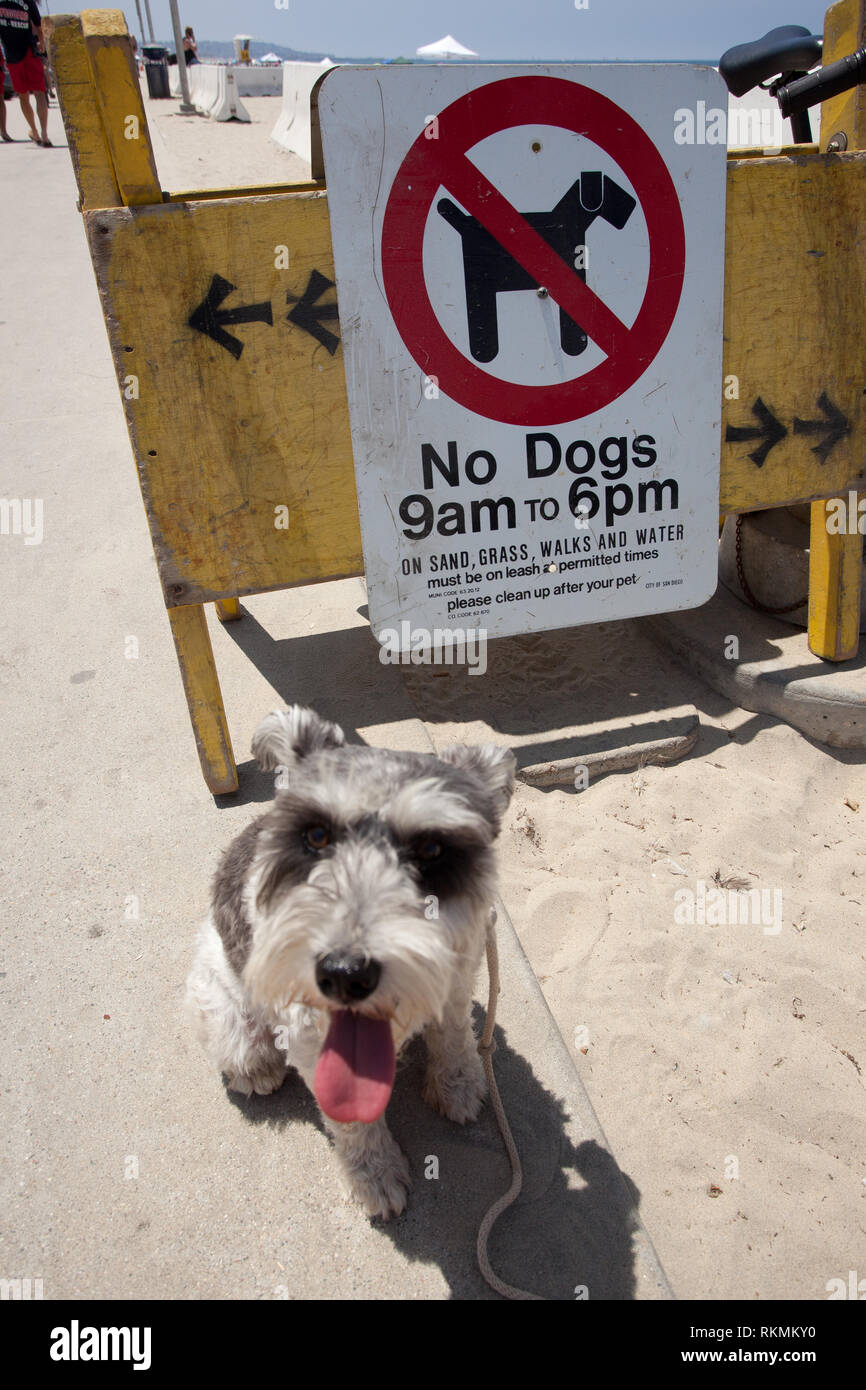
190,48
4,133
20,24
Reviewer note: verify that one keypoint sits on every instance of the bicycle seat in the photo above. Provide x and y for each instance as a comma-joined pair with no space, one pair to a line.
790,48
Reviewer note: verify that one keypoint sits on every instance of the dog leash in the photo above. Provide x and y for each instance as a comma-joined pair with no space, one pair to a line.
486,1048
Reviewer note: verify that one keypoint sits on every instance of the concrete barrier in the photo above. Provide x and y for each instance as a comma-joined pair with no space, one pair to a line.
213,90
259,82
292,129
249,81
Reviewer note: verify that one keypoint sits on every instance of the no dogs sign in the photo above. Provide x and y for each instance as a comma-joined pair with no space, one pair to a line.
530,271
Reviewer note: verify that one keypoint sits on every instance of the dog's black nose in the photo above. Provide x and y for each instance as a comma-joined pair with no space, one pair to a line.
347,979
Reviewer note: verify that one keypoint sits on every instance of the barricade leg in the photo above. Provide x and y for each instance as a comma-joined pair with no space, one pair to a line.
835,567
204,697
228,610
836,561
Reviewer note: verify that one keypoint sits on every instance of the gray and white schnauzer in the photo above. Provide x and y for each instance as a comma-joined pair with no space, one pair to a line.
348,918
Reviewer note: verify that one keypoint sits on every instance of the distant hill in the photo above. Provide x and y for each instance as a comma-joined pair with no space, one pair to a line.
225,52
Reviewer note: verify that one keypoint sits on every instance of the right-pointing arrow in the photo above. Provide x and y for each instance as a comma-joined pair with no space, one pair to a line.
834,426
771,431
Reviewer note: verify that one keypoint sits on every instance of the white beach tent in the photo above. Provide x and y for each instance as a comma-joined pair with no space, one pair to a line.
445,48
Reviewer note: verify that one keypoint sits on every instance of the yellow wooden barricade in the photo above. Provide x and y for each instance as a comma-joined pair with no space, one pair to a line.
220,313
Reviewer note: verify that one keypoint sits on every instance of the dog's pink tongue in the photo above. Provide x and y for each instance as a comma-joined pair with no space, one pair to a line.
355,1070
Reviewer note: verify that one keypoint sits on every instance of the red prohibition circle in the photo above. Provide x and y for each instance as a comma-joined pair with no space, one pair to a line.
442,162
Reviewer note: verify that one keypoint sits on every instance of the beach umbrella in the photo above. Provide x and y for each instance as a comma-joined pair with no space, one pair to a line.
445,48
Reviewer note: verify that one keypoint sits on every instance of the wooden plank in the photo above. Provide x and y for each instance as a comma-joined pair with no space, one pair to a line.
94,170
244,456
103,111
835,569
794,287
103,23
204,698
844,31
244,191
836,561
118,96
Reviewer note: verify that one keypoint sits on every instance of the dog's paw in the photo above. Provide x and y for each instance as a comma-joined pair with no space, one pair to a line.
261,1080
380,1187
458,1094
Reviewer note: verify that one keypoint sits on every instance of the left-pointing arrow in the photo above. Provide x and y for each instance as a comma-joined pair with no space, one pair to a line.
209,319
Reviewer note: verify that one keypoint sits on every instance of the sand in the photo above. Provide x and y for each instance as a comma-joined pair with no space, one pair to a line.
194,152
724,1061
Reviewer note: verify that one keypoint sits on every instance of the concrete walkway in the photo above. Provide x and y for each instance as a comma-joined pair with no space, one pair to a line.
129,1172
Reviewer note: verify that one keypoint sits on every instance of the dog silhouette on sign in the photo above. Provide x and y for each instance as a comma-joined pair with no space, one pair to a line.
488,269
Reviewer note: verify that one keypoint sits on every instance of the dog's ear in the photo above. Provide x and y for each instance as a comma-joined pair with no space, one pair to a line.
493,766
289,735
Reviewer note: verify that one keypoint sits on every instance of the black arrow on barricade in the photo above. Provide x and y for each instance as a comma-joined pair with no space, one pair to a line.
834,426
771,431
209,319
308,315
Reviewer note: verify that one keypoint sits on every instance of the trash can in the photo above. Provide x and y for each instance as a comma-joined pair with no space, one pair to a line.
156,70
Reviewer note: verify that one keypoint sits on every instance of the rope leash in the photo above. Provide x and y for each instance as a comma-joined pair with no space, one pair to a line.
486,1048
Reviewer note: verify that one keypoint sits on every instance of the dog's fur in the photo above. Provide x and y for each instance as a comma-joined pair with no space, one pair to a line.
404,882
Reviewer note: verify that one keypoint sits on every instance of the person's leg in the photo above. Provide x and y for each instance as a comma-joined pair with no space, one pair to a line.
42,113
24,98
4,134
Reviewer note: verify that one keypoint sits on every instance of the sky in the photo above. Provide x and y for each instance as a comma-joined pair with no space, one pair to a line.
513,30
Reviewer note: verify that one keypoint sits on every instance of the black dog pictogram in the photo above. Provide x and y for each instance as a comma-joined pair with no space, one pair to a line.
488,269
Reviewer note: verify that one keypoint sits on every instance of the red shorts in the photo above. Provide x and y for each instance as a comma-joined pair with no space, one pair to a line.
28,75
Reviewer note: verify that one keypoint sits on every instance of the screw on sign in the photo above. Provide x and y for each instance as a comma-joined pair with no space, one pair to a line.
507,249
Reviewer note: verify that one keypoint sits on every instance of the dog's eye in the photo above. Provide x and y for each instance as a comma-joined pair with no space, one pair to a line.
427,850
316,837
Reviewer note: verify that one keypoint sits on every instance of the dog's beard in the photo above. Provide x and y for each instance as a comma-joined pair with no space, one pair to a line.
363,902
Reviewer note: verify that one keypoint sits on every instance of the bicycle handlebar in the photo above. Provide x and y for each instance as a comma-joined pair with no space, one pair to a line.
836,77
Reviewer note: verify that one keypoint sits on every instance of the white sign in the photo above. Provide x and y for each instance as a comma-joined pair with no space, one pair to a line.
530,267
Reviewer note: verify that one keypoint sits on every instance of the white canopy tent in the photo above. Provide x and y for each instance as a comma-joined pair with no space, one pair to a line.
445,48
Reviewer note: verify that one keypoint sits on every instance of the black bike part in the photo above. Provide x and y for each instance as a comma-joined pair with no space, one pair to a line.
801,128
790,47
837,77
